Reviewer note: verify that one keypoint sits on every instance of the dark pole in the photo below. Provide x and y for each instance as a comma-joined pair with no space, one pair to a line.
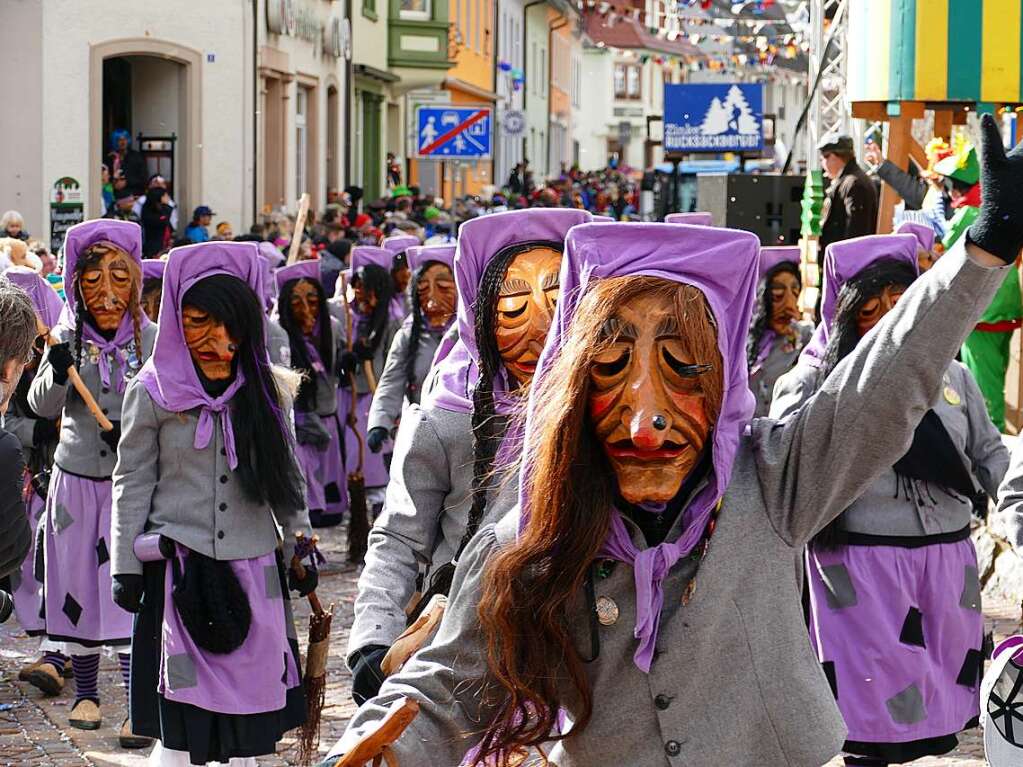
673,205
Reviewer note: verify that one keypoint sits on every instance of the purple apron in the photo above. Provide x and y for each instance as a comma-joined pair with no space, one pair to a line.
28,595
374,470
323,468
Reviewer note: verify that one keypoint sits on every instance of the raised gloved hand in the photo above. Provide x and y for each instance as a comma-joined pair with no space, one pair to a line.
362,349
113,436
376,438
998,228
366,674
127,592
61,359
347,363
303,586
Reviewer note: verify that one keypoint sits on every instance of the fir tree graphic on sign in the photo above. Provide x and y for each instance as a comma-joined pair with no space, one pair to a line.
715,121
732,116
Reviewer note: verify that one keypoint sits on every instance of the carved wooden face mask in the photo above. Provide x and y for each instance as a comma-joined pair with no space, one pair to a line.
784,287
365,301
305,306
525,307
151,300
437,294
877,307
106,285
648,402
210,345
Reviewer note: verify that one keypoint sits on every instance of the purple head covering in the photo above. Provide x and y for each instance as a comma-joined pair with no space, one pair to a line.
697,218
153,268
774,255
924,234
722,264
271,253
603,219
397,243
45,299
269,284
363,255
479,240
843,261
127,236
169,375
300,270
419,255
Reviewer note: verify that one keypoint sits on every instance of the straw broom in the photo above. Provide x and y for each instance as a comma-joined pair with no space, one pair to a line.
358,522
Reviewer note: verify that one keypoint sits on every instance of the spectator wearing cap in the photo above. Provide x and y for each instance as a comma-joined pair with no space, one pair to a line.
197,230
850,208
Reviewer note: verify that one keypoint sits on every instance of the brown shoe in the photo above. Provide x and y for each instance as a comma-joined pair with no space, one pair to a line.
46,678
28,669
85,716
128,739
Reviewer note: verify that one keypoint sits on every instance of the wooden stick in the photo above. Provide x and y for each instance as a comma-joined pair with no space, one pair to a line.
77,382
375,742
349,343
296,236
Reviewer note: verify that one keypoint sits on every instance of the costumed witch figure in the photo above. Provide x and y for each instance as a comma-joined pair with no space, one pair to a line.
895,614
777,334
205,474
278,343
647,579
104,333
401,271
38,437
442,485
416,342
152,286
316,342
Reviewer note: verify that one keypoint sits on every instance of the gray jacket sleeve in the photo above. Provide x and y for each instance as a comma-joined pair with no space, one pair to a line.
135,477
390,391
988,455
404,534
816,462
446,678
792,389
45,396
1010,498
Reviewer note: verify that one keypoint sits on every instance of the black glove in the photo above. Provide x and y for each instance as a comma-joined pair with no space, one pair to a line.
43,431
998,228
347,363
362,350
376,438
113,436
306,585
127,592
366,674
61,359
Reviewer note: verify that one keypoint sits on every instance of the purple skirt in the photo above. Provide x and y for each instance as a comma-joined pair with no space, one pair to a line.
374,470
28,590
899,632
76,588
326,484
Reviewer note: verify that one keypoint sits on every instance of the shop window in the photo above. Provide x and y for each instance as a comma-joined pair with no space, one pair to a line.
415,10
627,81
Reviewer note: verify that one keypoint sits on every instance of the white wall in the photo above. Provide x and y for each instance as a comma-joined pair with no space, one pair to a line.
592,130
511,29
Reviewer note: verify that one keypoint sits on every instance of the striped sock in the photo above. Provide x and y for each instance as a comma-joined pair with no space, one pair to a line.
86,668
55,659
124,659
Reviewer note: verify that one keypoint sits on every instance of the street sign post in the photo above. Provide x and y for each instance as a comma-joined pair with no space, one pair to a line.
454,133
727,117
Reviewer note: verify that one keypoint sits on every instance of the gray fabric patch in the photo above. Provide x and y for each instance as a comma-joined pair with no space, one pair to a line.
907,707
62,520
840,591
273,582
970,598
180,671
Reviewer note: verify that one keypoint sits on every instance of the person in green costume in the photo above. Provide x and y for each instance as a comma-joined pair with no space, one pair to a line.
986,349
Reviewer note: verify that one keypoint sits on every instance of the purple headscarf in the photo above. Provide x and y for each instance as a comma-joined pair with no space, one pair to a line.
843,261
479,240
300,270
127,236
169,375
607,219
774,255
696,218
419,255
271,253
722,264
45,299
398,243
363,255
269,285
153,268
924,234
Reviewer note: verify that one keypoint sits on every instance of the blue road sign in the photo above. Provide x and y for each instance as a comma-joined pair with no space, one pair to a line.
714,118
453,133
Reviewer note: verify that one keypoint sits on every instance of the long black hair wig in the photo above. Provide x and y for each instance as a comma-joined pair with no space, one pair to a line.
323,339
416,330
761,321
266,460
372,278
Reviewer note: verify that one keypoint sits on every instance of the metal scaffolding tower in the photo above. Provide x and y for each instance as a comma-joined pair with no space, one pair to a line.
829,110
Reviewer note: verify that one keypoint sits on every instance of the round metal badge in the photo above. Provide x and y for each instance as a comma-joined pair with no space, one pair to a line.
952,397
607,611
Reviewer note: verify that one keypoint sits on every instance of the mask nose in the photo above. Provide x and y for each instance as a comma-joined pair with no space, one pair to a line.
648,427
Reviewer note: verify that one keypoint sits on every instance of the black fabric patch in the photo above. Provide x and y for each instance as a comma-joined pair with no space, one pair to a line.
829,672
969,672
331,493
72,609
913,629
102,555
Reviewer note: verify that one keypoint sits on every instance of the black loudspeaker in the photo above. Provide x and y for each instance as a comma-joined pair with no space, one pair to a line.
767,204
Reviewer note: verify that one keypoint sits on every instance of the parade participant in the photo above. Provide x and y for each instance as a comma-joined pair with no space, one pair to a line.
777,334
152,286
106,335
696,218
412,350
895,615
653,559
214,673
278,343
442,487
316,343
925,256
397,245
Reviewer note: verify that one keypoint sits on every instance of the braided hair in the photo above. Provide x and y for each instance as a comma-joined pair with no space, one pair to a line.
761,321
416,330
322,333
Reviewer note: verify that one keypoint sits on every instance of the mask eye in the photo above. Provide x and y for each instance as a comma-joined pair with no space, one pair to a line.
513,313
612,367
684,369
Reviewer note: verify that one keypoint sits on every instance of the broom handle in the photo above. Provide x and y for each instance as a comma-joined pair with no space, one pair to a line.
296,236
77,382
349,342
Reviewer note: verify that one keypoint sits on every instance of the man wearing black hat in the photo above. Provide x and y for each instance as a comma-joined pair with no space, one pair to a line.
121,208
850,208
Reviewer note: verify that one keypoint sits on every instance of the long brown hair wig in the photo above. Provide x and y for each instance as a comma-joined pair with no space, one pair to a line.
535,668
90,257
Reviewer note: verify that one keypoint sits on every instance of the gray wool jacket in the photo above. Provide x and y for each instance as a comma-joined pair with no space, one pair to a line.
1010,498
734,680
164,484
278,345
424,518
778,362
391,388
81,450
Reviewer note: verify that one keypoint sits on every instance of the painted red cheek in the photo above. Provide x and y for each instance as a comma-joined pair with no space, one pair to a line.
691,405
601,403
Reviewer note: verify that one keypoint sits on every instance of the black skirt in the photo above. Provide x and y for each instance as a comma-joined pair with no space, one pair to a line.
207,736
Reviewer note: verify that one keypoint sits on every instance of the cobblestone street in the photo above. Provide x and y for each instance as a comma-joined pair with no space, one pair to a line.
34,731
